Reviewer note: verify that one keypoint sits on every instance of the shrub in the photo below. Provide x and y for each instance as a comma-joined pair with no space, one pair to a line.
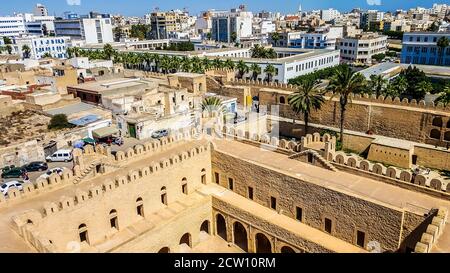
59,122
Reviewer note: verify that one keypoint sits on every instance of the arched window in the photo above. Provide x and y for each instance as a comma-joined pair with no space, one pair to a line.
435,134
184,186
203,173
83,233
263,244
113,220
164,195
186,239
240,236
140,207
164,250
437,121
287,249
205,226
221,227
447,136
282,100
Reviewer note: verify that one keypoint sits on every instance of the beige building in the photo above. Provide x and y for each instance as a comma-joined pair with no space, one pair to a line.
360,48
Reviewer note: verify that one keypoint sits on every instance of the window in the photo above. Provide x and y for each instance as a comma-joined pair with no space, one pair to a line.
360,238
328,225
282,100
140,207
273,203
164,195
299,214
83,233
216,176
230,183
250,193
113,219
184,189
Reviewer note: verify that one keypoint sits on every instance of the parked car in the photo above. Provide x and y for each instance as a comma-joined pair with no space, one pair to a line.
4,188
14,173
52,171
160,133
60,156
7,168
36,166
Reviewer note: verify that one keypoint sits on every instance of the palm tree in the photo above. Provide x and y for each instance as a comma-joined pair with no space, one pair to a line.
165,64
229,64
344,83
2,48
218,63
9,49
442,44
445,96
26,51
306,98
206,63
377,84
46,55
275,37
422,88
156,60
209,36
270,54
233,37
242,68
108,51
256,70
213,105
270,70
186,64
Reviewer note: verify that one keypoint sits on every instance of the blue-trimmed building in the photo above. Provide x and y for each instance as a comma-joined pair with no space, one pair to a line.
421,48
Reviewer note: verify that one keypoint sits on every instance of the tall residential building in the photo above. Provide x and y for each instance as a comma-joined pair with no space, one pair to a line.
362,47
162,23
229,25
371,16
92,30
40,10
422,48
329,14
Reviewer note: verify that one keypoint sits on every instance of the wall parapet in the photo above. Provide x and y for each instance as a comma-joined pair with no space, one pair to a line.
433,231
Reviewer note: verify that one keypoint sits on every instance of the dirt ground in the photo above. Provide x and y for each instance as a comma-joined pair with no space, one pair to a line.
22,126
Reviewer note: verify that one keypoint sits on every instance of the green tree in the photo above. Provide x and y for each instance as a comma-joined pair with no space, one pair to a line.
270,70
422,89
140,31
218,63
344,83
26,50
229,64
379,57
9,49
7,40
444,98
58,122
108,51
305,99
213,105
442,44
242,68
209,36
377,84
256,70
275,38
233,37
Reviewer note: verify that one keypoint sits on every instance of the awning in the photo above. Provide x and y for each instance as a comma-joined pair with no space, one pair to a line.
104,132
89,140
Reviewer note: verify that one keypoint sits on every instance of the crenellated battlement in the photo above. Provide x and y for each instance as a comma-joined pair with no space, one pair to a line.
388,100
433,231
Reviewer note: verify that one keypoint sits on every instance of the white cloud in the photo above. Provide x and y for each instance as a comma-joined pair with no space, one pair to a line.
73,2
374,2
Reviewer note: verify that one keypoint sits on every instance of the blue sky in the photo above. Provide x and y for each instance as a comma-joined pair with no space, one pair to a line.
140,7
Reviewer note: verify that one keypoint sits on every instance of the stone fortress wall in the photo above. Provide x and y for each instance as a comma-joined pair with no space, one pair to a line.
410,120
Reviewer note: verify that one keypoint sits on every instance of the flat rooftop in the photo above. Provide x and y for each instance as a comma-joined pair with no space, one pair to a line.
113,84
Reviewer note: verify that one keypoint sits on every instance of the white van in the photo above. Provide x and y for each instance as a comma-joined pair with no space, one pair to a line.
60,156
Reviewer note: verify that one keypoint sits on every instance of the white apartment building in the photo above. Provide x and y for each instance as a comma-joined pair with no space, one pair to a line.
361,48
27,23
322,38
237,22
55,46
329,14
92,30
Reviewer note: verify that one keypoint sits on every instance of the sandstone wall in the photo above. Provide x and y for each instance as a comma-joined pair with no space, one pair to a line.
380,223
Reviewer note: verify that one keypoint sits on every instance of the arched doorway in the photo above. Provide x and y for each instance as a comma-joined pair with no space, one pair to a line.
287,249
435,134
186,239
221,227
263,244
164,250
240,236
205,226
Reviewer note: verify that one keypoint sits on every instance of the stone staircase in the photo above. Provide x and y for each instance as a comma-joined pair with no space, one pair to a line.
326,164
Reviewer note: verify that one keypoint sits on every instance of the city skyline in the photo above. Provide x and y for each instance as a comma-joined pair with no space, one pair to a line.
194,7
